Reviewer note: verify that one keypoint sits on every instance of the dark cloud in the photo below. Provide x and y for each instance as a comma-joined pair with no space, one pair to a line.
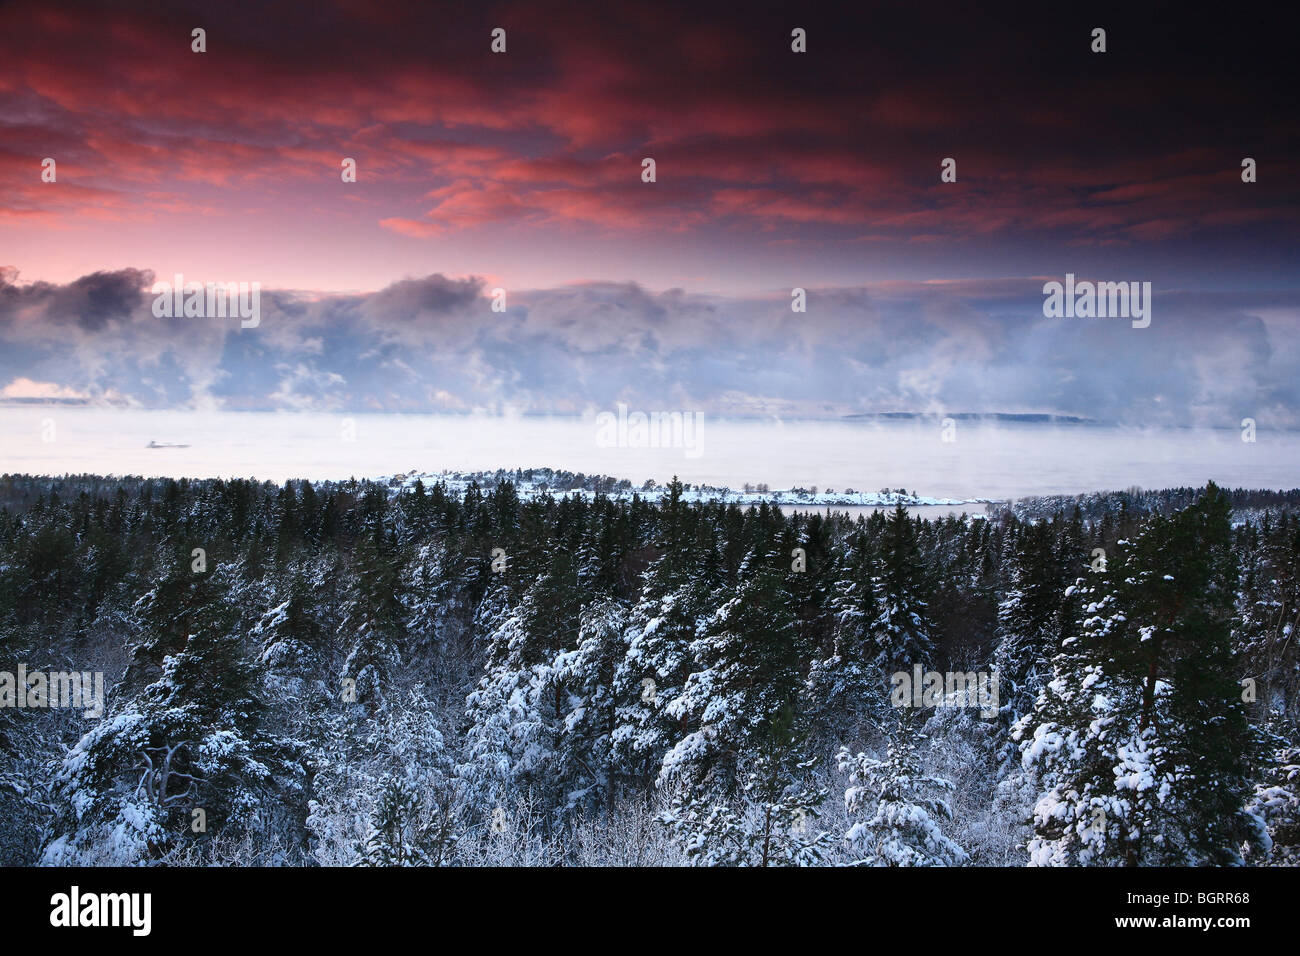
97,300
91,302
1140,144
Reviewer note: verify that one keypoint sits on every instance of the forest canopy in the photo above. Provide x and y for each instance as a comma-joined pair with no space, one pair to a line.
372,673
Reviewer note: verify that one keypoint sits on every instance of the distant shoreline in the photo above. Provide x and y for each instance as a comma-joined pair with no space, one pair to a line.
624,491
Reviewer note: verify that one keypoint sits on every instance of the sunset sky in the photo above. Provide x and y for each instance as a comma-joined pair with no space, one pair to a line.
774,170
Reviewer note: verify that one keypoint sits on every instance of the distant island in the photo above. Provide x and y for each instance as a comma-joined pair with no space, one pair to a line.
533,482
1030,417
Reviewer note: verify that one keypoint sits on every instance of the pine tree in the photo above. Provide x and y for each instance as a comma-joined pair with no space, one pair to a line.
772,820
589,768
512,715
750,666
375,618
902,629
290,635
900,810
848,686
1028,622
662,628
193,740
1141,735
1276,807
394,837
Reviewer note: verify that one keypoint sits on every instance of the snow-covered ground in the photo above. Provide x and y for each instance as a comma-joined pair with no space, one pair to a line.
545,481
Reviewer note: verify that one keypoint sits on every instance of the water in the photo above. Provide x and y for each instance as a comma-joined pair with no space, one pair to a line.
985,461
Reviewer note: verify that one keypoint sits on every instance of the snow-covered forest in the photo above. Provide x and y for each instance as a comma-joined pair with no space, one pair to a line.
370,673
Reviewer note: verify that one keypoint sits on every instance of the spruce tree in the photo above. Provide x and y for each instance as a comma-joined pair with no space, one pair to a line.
899,810
902,629
1141,734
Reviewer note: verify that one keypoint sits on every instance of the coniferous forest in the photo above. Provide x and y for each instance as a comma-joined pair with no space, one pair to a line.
395,674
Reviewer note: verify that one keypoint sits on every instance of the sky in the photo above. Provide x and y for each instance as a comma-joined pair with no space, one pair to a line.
774,170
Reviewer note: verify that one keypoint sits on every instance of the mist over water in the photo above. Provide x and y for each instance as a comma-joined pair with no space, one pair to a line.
985,460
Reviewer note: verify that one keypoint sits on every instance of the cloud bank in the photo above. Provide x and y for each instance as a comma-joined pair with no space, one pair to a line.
433,344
